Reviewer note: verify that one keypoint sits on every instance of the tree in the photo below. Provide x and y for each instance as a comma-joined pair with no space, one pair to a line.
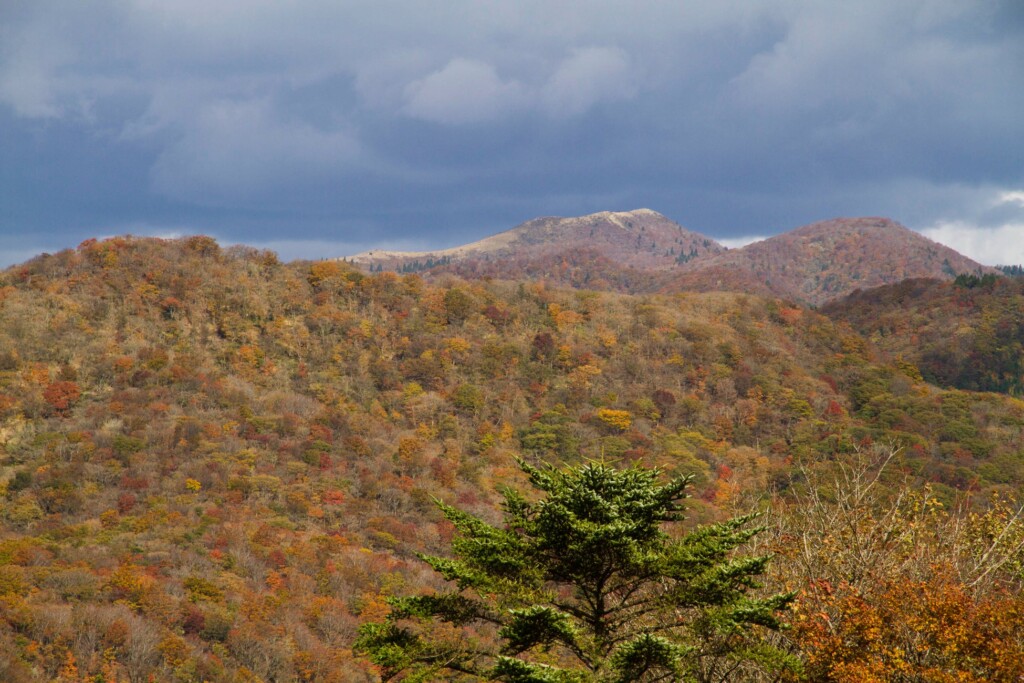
895,585
62,395
593,582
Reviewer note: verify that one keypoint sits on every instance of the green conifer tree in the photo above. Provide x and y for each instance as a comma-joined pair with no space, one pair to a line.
594,582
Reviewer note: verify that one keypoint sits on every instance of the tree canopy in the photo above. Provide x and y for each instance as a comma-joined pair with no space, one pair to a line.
595,581
214,465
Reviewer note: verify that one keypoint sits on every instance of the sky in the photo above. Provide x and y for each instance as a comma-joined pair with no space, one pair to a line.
321,128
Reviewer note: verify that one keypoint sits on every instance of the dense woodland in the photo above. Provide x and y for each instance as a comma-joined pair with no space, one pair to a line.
968,333
217,466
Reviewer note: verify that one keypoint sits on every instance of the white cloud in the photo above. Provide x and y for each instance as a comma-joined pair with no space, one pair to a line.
866,64
464,91
994,242
801,67
1001,245
588,76
1012,197
737,242
471,91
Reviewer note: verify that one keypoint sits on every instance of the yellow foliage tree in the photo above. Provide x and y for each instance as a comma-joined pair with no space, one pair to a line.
618,420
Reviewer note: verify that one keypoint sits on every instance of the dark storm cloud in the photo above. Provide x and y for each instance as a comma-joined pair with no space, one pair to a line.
321,127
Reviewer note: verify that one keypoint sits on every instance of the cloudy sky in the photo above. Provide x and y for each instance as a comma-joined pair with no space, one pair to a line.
325,127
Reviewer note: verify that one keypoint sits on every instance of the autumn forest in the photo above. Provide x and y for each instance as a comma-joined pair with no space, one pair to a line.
216,466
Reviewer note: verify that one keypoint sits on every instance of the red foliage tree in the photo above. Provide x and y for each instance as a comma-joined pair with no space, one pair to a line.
61,395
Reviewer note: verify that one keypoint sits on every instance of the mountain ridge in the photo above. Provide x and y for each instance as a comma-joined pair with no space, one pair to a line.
642,250
822,261
639,238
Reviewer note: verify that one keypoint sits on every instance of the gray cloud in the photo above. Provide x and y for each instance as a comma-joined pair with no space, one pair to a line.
471,91
235,151
356,122
464,91
588,76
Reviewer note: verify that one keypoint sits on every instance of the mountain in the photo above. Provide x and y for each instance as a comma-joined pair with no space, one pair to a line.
826,260
641,240
643,251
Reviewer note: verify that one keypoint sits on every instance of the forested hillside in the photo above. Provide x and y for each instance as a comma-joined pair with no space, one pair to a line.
216,466
968,333
823,261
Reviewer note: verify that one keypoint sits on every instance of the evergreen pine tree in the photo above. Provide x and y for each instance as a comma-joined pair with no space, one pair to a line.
595,582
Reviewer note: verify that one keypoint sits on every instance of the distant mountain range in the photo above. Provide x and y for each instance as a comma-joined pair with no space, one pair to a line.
643,251
642,239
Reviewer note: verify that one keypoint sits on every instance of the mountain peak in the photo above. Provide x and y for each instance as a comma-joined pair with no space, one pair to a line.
850,225
618,215
828,259
642,238
642,250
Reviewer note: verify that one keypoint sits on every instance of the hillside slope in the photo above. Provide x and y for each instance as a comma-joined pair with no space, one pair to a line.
967,334
215,466
827,260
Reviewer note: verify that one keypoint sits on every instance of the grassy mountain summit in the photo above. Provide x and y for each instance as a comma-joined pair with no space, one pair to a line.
641,239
